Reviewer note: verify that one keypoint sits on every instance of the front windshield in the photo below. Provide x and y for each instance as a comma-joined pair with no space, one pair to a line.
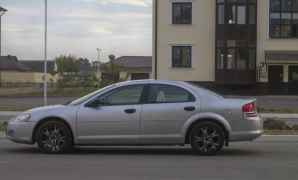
88,96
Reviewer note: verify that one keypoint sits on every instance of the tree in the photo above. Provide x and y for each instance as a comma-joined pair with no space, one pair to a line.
75,72
111,71
67,65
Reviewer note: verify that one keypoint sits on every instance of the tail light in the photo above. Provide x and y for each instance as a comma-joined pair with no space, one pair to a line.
250,109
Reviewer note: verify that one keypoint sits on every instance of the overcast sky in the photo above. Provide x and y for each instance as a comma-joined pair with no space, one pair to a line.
77,27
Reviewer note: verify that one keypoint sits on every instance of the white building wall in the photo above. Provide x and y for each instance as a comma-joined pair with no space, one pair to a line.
200,35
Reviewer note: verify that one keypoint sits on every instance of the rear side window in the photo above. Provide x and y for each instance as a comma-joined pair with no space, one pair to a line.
169,94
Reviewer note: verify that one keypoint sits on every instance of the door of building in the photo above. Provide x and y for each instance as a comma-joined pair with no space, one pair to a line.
275,74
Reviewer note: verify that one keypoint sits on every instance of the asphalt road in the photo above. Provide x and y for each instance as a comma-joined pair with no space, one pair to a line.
269,158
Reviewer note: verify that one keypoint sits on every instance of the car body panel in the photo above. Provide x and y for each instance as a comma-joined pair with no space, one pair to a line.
108,123
161,123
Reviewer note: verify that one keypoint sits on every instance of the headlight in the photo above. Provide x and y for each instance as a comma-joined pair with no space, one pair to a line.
23,118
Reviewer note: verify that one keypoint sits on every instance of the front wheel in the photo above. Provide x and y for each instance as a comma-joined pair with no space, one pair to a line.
207,138
54,137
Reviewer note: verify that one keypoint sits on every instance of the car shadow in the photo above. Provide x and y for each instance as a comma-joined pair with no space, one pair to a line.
144,151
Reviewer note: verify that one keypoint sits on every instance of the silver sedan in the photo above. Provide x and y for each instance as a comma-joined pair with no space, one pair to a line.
146,112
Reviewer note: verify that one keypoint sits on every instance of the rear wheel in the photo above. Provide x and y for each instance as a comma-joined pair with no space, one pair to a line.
54,137
207,138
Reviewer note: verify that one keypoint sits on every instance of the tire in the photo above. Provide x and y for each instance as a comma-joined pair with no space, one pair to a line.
54,137
207,138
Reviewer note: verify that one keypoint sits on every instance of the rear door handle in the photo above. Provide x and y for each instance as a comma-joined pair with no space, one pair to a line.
130,111
190,108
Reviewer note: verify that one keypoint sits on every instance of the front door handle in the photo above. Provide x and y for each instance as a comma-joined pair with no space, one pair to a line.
130,111
190,108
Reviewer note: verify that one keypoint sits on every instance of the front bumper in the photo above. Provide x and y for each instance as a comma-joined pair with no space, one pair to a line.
20,132
251,129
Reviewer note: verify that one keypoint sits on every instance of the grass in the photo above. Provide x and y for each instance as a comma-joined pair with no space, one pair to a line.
278,111
1,126
14,108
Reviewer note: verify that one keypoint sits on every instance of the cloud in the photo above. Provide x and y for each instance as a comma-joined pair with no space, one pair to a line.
121,27
100,30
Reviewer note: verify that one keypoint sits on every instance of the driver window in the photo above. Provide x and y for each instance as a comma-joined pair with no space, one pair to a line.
124,96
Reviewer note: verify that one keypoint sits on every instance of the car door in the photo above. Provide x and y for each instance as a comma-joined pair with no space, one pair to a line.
115,120
167,109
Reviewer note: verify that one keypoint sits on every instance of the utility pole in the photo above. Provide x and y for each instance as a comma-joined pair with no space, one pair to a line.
2,12
45,84
98,54
97,64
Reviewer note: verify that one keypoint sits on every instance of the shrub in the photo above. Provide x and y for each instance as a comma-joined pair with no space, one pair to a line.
295,127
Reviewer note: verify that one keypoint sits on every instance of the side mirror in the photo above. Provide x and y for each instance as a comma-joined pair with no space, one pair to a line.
95,103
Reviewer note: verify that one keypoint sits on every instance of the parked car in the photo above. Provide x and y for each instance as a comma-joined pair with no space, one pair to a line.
146,112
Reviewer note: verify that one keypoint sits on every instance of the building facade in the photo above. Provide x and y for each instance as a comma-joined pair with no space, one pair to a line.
226,41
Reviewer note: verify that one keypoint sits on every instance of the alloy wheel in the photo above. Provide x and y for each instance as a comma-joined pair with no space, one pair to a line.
54,137
207,138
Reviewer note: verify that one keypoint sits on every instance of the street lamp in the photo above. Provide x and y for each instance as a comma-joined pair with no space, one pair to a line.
2,12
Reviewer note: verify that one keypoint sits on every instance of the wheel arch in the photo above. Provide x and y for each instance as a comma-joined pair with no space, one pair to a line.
51,118
206,117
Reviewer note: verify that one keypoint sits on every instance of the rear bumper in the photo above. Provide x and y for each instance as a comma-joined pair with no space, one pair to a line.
246,135
252,129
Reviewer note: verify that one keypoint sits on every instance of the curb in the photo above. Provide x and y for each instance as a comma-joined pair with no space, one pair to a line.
277,138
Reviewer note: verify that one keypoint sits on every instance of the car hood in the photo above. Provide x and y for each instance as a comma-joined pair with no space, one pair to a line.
46,108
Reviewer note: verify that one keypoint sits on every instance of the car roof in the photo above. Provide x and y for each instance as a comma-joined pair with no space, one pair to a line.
181,84
152,81
193,88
